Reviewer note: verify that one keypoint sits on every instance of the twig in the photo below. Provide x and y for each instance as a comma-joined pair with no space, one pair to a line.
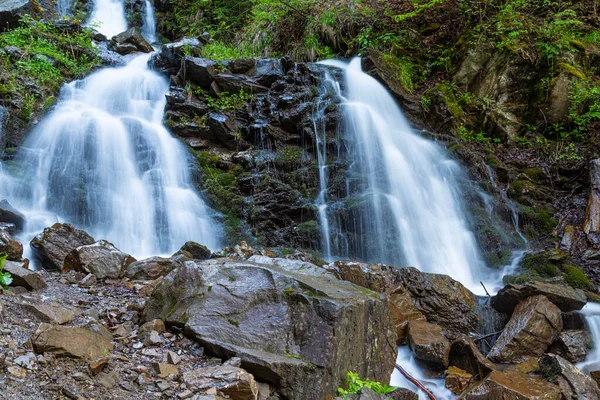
416,382
486,292
488,336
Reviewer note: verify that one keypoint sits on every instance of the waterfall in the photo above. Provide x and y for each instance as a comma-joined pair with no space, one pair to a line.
591,311
108,17
412,207
149,27
104,161
63,8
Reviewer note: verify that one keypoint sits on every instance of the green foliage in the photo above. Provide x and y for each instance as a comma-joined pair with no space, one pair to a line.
217,50
5,277
355,384
575,277
229,102
539,265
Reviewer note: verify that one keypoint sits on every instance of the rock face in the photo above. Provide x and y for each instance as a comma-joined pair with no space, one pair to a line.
101,258
55,243
457,380
377,277
70,341
465,355
290,323
133,37
573,383
231,381
442,300
11,11
12,248
8,214
24,277
573,345
428,343
512,385
592,212
534,325
564,297
403,310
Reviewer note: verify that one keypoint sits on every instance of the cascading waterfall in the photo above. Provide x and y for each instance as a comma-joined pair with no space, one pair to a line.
412,206
63,8
108,17
149,27
103,161
591,311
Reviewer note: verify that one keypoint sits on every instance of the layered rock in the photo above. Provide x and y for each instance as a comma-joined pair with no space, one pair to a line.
56,242
465,355
534,325
9,214
101,258
512,385
403,310
290,323
428,343
573,345
573,383
564,297
131,41
70,341
24,277
11,247
150,268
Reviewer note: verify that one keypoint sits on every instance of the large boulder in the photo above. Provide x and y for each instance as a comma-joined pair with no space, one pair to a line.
512,385
200,71
377,277
534,325
442,300
11,247
465,355
151,268
573,344
403,310
428,343
290,322
564,297
231,381
22,276
10,215
101,258
168,59
573,383
132,36
70,341
52,246
11,12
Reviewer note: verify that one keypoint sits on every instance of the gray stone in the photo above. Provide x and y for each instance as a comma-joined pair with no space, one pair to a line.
564,297
101,258
24,277
573,383
52,246
8,214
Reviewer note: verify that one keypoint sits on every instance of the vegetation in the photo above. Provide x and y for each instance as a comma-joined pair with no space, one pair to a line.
5,277
355,383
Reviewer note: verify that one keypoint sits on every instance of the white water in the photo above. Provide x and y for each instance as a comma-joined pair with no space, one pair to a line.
410,364
103,161
108,17
149,27
414,215
592,319
63,8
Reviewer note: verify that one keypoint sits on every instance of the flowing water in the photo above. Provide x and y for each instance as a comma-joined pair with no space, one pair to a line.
149,27
412,207
104,161
63,8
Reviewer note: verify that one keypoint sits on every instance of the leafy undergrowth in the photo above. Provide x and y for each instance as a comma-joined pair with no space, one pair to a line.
355,384
5,277
38,57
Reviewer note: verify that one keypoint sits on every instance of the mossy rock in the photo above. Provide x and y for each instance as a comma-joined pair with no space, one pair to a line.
569,69
540,265
575,277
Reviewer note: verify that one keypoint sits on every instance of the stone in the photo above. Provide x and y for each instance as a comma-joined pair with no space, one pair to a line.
155,325
101,258
164,370
125,49
8,214
267,71
24,277
403,311
442,300
17,372
241,65
11,247
595,376
238,83
54,243
27,361
133,36
525,367
376,277
573,383
234,382
290,322
512,385
564,297
465,355
534,325
150,268
457,380
152,338
88,281
200,71
592,212
170,55
173,357
52,313
70,341
196,251
428,343
573,345
96,366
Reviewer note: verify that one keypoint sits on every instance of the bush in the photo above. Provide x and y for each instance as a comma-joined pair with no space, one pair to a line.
5,277
355,384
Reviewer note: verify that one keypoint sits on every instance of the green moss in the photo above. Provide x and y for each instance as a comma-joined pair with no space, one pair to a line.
309,228
517,279
446,95
291,155
575,277
539,264
289,292
539,221
569,69
535,174
234,323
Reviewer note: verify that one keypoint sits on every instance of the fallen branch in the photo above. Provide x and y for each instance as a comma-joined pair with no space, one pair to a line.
487,336
486,292
416,382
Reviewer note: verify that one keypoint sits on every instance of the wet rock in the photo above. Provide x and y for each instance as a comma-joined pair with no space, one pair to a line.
403,310
10,215
573,320
150,268
285,321
267,72
573,345
70,341
534,325
101,258
457,380
525,367
592,212
11,12
377,277
512,385
195,251
125,49
132,36
55,243
11,247
442,300
168,59
428,343
595,376
238,83
24,277
563,296
573,383
231,381
200,71
241,65
465,355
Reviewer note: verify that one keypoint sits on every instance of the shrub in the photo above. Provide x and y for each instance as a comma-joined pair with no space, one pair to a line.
355,384
5,277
